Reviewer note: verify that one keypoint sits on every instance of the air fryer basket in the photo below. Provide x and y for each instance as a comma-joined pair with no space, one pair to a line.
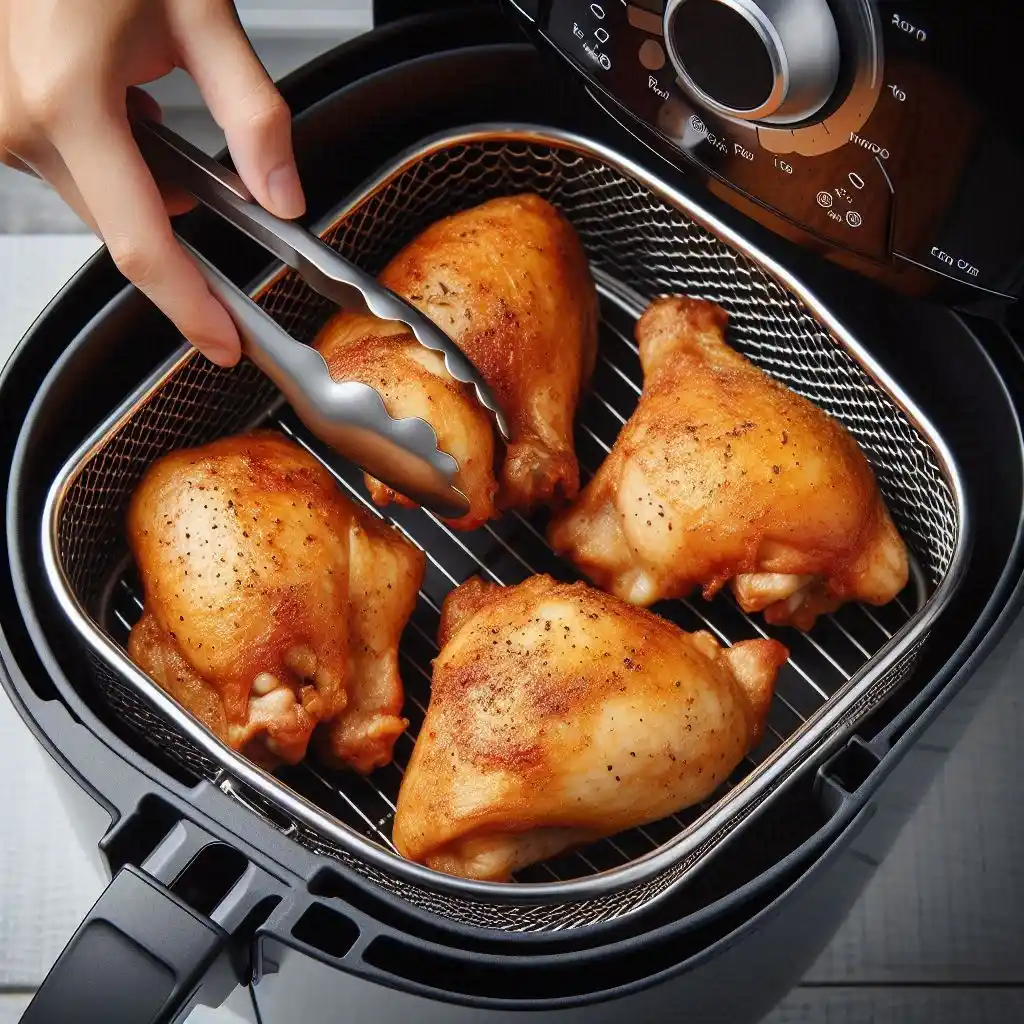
643,239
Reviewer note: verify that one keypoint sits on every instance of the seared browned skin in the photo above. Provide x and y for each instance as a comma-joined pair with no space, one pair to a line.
412,381
508,281
272,605
723,474
559,714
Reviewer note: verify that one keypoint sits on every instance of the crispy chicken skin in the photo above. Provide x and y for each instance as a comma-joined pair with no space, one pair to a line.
509,282
272,604
721,475
413,381
559,714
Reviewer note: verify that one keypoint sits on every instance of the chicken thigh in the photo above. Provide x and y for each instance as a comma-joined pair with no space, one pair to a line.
559,714
509,282
721,475
413,381
272,604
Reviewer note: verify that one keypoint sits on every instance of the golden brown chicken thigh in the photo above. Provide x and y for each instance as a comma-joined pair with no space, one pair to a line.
723,474
559,714
413,381
508,281
272,604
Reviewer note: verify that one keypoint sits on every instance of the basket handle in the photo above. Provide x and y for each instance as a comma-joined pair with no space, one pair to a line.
137,958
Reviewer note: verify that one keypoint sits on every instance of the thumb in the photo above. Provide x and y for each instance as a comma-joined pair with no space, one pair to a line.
245,103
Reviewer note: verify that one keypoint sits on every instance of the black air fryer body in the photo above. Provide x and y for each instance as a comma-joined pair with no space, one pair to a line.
207,894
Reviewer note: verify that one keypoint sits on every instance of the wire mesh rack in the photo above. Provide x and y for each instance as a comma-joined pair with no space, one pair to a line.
640,244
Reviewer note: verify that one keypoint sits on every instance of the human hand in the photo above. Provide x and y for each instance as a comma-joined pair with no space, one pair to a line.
69,72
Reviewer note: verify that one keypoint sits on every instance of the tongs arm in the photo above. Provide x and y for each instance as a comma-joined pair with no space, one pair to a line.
348,415
327,273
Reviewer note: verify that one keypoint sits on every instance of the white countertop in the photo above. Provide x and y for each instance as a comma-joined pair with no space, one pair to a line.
943,909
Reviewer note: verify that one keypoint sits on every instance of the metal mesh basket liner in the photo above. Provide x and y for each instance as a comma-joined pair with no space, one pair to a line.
640,245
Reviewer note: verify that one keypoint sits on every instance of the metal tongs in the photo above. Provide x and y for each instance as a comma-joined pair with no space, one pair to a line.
349,416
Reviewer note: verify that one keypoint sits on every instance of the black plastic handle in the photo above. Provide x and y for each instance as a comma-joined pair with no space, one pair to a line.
137,958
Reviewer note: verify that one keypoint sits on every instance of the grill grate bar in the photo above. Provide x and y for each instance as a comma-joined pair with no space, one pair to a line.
820,648
381,835
511,550
127,588
874,620
584,471
625,376
849,636
462,547
523,521
604,401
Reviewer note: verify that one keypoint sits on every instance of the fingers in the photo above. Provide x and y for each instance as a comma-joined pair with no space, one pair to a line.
117,189
244,102
13,137
48,165
15,163
38,158
51,169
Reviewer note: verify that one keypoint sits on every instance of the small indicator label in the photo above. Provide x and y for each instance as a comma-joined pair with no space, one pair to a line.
655,86
910,29
596,56
964,266
871,147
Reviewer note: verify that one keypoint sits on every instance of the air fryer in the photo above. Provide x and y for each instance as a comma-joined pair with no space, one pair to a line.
215,884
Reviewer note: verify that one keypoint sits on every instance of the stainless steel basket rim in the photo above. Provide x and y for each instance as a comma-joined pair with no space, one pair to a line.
813,738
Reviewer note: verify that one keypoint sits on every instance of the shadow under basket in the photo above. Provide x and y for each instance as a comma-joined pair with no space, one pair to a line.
642,240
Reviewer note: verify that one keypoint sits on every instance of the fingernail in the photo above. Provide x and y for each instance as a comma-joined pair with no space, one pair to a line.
285,191
223,353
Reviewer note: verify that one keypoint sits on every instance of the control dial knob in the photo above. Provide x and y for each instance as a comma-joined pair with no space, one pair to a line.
770,61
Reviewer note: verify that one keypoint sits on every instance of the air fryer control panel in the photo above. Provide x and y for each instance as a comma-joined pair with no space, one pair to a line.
879,129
